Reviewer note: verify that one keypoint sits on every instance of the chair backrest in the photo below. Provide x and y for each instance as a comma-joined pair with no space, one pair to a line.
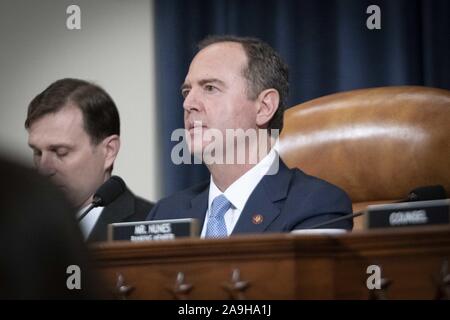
377,144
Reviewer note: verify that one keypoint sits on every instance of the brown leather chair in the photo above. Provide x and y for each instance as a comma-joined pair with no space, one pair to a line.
377,144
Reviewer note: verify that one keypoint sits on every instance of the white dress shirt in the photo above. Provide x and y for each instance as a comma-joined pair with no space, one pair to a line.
89,221
239,191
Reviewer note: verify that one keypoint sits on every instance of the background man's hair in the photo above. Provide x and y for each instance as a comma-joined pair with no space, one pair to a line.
265,70
100,114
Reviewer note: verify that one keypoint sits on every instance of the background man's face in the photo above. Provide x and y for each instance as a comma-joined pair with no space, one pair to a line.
62,150
215,91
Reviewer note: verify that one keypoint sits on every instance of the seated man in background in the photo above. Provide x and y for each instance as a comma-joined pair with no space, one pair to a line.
74,132
242,84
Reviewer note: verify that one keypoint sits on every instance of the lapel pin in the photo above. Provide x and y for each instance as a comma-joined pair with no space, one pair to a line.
257,219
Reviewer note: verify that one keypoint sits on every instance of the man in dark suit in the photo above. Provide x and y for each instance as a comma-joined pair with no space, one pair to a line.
74,132
127,207
241,84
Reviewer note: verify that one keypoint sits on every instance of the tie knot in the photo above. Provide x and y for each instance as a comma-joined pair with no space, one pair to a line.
220,206
216,227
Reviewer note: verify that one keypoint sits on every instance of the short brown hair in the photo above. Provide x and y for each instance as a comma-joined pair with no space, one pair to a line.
265,70
100,114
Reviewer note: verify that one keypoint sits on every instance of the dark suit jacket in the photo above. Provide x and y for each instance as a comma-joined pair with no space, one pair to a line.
286,201
127,207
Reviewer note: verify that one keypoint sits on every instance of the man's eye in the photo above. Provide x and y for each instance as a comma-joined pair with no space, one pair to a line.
62,153
184,93
210,88
37,153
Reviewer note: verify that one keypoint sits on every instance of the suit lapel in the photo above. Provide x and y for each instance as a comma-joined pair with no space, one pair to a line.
199,205
265,202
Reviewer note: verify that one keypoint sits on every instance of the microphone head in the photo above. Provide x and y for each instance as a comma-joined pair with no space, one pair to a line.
427,193
109,191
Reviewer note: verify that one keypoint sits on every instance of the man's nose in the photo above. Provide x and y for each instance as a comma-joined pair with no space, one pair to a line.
191,101
46,165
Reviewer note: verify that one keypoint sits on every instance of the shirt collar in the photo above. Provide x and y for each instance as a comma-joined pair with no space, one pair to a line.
240,190
88,222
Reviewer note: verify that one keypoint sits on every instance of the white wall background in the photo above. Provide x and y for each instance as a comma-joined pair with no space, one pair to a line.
114,48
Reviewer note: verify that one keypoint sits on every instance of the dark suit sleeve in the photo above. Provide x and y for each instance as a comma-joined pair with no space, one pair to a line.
334,204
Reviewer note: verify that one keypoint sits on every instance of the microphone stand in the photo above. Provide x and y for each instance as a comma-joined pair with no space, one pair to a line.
94,204
351,215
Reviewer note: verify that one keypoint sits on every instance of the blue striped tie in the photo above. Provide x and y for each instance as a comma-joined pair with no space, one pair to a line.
216,227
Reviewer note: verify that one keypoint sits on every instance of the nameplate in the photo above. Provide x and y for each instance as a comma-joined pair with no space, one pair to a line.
153,230
419,213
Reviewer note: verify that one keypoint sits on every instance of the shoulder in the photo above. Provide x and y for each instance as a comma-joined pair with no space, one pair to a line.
311,200
318,193
178,201
142,205
129,202
186,195
315,184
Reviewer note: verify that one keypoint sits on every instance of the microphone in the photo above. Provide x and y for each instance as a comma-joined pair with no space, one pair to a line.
105,194
424,193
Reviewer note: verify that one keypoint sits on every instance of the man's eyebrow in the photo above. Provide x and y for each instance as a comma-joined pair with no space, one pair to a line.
52,146
203,82
60,145
211,80
185,86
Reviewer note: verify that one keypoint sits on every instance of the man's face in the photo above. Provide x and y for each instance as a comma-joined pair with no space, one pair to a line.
62,150
215,91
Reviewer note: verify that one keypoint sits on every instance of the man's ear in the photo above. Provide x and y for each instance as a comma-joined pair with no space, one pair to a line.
111,146
269,100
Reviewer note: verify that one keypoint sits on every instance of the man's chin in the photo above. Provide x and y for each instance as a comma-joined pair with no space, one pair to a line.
196,155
